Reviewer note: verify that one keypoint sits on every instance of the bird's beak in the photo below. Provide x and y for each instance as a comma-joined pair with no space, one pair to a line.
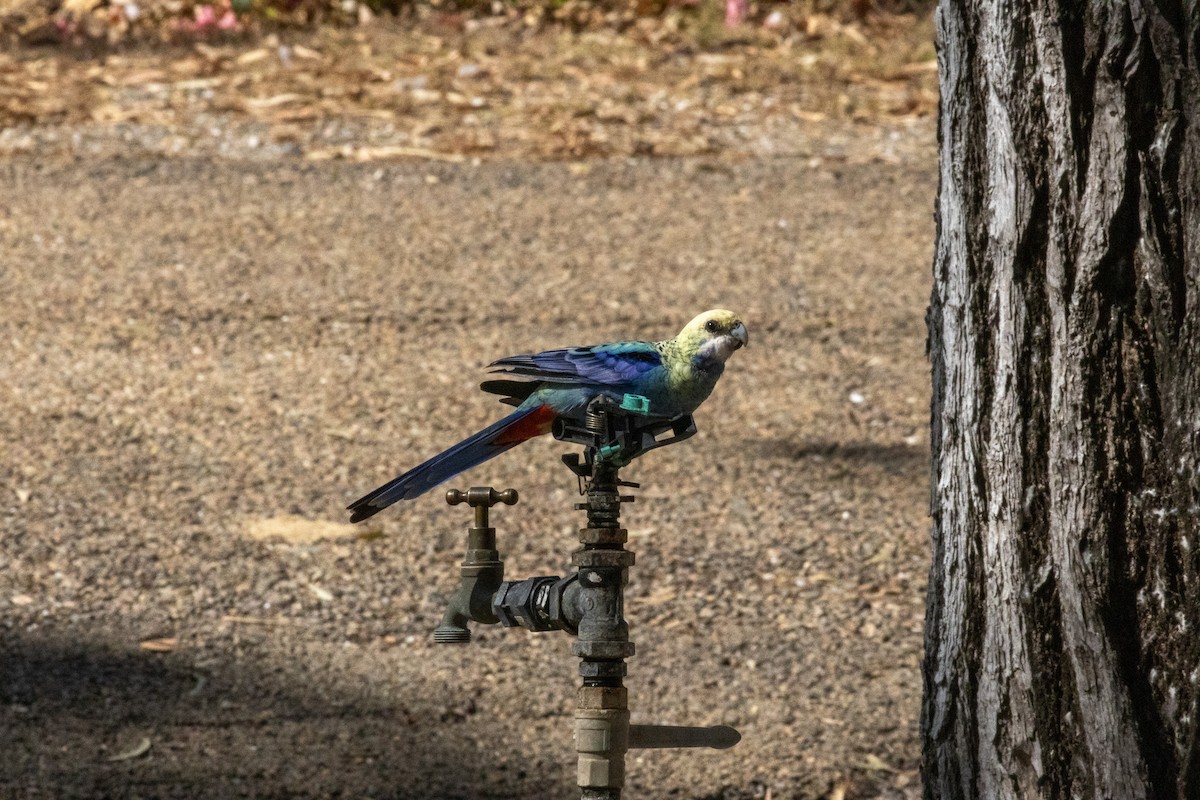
740,333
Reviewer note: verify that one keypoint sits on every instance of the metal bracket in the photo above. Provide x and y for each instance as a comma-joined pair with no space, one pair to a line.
617,434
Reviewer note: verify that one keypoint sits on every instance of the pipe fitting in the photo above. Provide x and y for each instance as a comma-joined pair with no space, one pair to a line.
544,603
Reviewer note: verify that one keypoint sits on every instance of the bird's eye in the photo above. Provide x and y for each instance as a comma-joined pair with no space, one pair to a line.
712,326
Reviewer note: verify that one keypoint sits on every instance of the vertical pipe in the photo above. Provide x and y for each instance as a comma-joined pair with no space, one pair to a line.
602,713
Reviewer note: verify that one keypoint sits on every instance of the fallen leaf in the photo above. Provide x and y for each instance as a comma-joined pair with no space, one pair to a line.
209,52
919,68
251,56
139,749
425,96
241,620
376,153
164,645
302,114
300,51
659,596
79,7
298,530
885,553
271,102
196,84
876,764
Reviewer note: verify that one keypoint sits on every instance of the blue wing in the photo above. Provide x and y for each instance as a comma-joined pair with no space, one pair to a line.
615,364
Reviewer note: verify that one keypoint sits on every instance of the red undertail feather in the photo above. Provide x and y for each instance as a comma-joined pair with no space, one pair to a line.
537,423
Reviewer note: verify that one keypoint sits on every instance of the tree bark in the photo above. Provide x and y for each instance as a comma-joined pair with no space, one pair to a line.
1062,647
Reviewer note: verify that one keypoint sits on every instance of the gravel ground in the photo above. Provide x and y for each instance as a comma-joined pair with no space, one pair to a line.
206,360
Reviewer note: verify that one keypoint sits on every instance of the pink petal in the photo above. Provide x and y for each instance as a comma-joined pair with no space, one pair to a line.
735,11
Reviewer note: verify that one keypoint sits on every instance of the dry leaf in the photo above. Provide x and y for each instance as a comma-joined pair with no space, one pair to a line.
919,68
425,96
377,153
139,749
209,52
165,645
298,530
659,596
296,115
876,764
79,8
236,619
252,56
137,78
271,102
886,553
300,51
196,84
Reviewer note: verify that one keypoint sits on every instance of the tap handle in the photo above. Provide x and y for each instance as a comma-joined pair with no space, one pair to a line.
481,498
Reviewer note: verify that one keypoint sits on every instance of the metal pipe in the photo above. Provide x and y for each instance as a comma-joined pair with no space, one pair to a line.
602,643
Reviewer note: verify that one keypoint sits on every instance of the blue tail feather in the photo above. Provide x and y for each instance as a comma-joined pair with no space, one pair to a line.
468,453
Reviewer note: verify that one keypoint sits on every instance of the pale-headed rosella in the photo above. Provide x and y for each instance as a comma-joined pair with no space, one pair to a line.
673,376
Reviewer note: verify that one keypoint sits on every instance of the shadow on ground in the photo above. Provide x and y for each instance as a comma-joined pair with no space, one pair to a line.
77,713
895,459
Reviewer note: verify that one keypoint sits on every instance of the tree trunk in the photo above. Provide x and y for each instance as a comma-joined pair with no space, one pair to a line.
1063,625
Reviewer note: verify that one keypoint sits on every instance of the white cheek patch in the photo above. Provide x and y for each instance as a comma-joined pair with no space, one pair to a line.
719,347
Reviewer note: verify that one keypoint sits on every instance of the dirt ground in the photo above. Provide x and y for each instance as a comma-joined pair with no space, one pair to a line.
206,358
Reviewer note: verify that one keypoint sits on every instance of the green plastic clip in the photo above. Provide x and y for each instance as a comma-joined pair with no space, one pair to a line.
636,403
609,451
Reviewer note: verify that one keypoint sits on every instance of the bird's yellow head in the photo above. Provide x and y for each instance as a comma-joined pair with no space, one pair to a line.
714,334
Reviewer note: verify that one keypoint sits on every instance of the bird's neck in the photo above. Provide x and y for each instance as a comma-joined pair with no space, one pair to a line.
690,361
708,364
